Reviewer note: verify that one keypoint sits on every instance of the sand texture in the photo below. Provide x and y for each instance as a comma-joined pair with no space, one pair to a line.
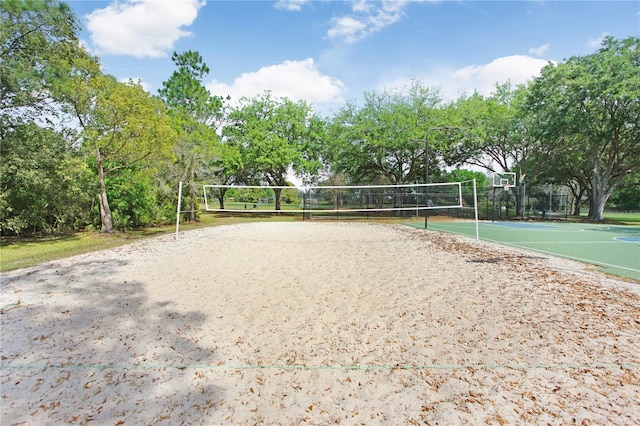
313,323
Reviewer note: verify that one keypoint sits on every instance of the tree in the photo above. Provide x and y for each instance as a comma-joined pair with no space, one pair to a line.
384,140
564,164
628,196
497,135
195,114
462,175
592,104
44,182
119,124
228,169
44,185
36,38
275,136
135,199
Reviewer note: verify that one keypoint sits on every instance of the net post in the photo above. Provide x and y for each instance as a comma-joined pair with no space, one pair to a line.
206,199
475,208
178,209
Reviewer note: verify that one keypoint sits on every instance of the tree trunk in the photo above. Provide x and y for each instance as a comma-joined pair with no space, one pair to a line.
599,197
105,211
577,200
517,190
192,213
192,207
220,195
576,206
277,191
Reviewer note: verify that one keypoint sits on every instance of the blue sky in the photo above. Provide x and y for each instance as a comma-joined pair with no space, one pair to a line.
328,52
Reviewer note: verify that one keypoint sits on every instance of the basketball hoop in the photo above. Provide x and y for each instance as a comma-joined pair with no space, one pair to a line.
504,180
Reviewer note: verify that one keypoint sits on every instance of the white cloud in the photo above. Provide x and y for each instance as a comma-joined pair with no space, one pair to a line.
141,28
597,43
290,5
481,78
539,51
296,80
362,6
366,18
347,28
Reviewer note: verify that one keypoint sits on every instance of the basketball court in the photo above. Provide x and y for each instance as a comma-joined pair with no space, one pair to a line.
615,249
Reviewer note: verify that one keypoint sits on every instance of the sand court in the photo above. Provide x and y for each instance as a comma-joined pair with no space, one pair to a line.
318,323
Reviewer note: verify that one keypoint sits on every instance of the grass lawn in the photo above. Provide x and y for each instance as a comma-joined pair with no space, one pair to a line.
18,253
624,218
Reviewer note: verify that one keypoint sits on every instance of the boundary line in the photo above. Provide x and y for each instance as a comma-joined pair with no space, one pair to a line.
567,242
632,240
550,253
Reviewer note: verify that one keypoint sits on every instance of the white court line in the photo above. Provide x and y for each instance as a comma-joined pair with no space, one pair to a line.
569,242
579,259
540,229
550,253
621,240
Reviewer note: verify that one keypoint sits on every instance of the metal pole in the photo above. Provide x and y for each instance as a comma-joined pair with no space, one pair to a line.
523,198
475,202
426,177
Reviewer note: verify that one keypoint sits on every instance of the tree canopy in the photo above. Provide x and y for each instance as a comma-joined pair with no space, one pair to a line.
120,124
195,114
275,136
37,38
588,109
81,149
384,140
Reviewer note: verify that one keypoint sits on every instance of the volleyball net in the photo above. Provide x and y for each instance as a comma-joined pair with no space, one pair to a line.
380,199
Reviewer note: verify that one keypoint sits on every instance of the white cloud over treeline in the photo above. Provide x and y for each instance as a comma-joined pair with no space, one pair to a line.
141,28
366,18
296,80
481,78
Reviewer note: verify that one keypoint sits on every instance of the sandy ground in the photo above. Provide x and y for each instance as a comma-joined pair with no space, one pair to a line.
318,323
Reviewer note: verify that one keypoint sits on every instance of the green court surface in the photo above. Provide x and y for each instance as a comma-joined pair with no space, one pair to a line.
615,248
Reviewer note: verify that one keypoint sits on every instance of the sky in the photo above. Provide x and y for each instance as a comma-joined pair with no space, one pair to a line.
330,52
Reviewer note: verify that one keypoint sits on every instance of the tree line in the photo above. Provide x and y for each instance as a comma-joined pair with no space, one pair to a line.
80,149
